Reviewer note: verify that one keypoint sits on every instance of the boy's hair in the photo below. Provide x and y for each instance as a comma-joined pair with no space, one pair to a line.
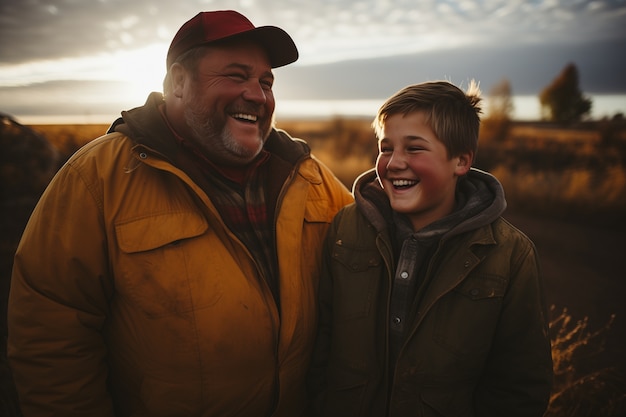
454,116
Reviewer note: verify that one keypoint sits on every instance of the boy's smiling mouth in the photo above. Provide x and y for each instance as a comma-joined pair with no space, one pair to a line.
402,184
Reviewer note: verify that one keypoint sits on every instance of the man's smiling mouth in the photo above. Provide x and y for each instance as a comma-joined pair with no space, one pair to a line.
250,118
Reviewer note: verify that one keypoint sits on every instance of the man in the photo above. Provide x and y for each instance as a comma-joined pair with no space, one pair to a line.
170,268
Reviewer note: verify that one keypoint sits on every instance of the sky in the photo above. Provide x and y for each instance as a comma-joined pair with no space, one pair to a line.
98,57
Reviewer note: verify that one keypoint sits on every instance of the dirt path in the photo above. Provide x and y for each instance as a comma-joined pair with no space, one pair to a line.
584,269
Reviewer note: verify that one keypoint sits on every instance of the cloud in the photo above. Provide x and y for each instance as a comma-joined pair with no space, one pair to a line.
324,30
349,49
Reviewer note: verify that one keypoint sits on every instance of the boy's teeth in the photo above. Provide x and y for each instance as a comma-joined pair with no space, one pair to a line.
248,117
403,183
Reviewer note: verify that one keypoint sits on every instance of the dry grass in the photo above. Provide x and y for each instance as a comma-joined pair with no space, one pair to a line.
598,393
584,188
69,138
61,135
546,169
543,167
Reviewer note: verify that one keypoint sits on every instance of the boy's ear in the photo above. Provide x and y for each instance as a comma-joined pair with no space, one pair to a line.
464,163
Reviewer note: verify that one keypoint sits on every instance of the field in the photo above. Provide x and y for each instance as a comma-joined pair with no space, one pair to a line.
566,189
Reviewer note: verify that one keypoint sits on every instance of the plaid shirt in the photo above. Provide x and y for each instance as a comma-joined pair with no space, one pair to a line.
241,197
244,208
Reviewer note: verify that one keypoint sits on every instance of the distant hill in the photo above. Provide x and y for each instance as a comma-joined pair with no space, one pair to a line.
529,69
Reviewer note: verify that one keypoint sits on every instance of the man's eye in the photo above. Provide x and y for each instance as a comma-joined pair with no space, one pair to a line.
237,76
267,84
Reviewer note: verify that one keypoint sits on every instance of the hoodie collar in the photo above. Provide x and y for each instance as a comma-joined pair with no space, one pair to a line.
479,201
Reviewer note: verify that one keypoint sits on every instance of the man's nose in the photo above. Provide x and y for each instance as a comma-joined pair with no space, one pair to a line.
255,92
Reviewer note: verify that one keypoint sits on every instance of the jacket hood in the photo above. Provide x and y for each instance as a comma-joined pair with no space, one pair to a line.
479,201
145,126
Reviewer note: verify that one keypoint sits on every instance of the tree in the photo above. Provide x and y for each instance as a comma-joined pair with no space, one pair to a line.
562,101
495,127
500,101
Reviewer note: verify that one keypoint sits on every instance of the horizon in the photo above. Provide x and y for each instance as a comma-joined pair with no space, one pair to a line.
526,108
349,49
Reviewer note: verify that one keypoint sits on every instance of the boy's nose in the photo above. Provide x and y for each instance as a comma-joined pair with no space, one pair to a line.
396,161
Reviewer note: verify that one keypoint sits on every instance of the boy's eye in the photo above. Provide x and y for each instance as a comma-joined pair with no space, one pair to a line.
386,149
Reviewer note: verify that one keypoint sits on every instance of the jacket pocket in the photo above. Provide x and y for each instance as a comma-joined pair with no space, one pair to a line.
466,318
317,211
356,274
159,230
444,403
346,394
162,398
153,260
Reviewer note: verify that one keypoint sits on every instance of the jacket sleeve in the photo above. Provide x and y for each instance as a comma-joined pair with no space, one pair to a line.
58,303
316,377
517,379
341,196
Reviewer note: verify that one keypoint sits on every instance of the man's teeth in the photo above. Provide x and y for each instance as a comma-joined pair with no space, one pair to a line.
248,117
403,183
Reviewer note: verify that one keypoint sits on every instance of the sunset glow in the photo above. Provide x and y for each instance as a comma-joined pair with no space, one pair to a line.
93,59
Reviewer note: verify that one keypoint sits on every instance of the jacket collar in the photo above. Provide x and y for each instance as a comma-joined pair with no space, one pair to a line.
480,201
146,126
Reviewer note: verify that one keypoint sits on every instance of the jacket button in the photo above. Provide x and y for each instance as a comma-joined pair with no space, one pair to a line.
404,275
396,320
475,292
143,155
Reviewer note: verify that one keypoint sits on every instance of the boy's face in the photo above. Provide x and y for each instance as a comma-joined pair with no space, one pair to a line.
414,169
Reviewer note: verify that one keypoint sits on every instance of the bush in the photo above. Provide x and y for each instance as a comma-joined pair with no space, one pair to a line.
577,393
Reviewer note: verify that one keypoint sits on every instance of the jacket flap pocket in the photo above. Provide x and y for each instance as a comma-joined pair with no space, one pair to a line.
355,259
158,230
317,211
483,286
448,402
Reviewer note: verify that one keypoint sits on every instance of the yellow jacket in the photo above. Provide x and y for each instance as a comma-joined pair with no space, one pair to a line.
130,297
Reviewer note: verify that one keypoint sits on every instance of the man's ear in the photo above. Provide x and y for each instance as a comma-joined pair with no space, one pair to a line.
178,74
464,163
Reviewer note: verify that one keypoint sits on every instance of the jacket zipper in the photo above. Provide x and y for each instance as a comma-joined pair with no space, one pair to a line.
276,331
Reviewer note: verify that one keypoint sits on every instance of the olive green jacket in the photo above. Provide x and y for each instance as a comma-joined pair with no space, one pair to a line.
478,343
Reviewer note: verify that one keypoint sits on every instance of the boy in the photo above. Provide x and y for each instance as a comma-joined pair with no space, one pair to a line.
430,303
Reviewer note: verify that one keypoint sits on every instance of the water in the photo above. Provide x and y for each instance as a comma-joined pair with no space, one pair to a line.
525,107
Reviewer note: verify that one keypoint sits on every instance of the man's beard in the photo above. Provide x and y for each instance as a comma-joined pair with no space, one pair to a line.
216,142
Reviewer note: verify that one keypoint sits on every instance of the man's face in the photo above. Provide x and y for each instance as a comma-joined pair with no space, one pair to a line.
229,106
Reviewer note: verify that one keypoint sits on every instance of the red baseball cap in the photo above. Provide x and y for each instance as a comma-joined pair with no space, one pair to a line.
207,27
